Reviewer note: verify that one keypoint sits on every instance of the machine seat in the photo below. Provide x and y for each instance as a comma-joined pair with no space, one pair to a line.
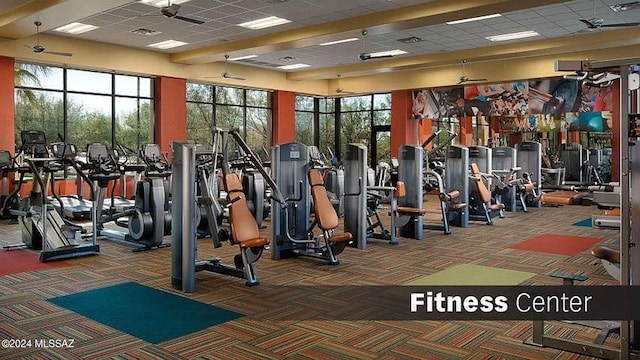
456,206
449,196
496,207
341,237
605,253
244,229
563,198
404,210
257,242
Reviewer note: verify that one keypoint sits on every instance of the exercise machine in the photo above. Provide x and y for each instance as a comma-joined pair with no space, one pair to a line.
355,206
41,225
152,217
607,198
378,192
244,229
530,163
103,168
480,197
503,161
290,225
6,167
410,198
457,177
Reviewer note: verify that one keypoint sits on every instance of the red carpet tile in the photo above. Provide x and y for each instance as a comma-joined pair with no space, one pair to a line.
557,244
17,261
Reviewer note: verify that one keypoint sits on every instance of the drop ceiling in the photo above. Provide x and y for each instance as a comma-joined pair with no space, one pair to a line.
316,21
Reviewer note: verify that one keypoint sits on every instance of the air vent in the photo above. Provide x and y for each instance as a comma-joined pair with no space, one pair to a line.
626,6
288,59
411,40
258,63
146,32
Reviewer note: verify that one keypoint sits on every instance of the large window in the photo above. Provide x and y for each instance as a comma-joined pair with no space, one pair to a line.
361,119
305,109
248,111
83,107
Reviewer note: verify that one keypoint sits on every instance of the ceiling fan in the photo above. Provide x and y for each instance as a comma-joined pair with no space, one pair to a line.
171,11
226,74
595,23
464,78
37,48
364,55
340,90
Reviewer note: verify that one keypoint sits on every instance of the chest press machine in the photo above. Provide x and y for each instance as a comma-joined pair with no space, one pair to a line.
244,228
290,222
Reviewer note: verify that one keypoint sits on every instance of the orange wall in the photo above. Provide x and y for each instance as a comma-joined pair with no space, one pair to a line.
404,130
7,118
171,112
283,127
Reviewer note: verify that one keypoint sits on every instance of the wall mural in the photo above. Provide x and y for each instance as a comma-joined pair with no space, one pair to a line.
548,105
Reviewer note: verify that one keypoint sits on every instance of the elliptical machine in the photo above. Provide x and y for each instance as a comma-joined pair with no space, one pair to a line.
103,168
152,217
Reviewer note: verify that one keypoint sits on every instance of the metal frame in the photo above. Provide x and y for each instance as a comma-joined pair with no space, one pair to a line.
630,253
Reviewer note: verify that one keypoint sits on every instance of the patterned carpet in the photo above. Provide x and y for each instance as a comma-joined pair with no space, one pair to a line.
274,327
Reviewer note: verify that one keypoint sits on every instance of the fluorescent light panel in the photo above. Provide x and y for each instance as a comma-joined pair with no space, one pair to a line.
477,18
264,23
512,36
388,53
162,3
293,66
338,41
76,28
168,44
242,57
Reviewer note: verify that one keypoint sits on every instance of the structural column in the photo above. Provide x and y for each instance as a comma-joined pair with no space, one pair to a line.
7,98
404,130
283,124
171,112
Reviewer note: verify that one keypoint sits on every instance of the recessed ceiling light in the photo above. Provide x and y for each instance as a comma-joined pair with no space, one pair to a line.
168,44
626,6
293,66
242,57
473,19
162,3
512,36
76,28
264,23
338,41
388,53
